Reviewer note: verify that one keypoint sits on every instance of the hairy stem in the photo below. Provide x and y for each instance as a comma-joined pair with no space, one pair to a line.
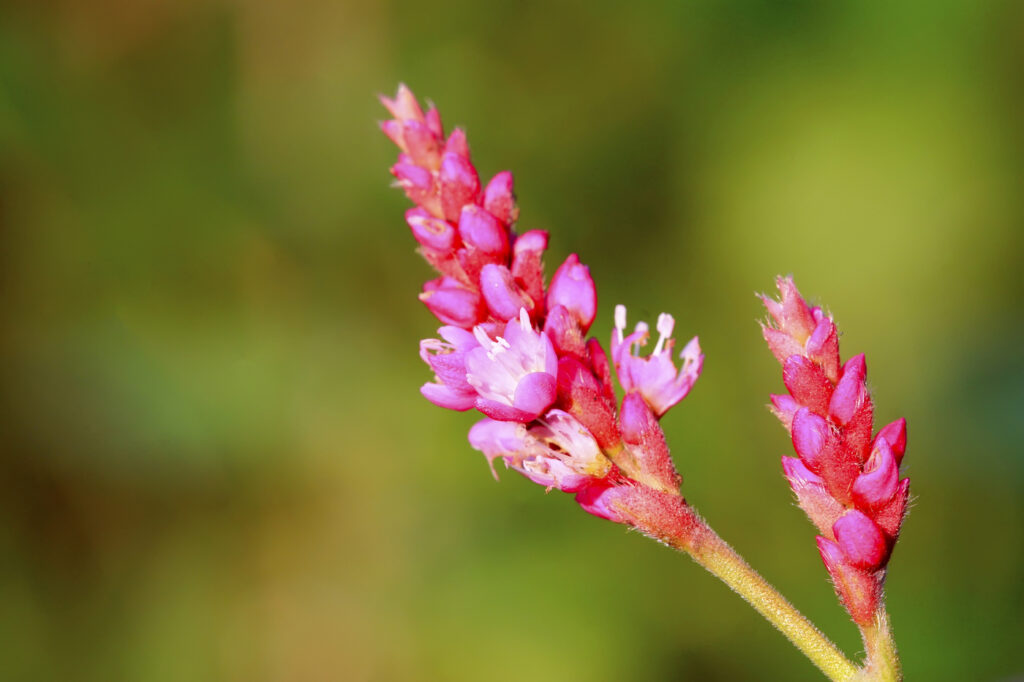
689,533
883,662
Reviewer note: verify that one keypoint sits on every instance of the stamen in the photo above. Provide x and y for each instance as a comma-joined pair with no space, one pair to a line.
620,320
665,325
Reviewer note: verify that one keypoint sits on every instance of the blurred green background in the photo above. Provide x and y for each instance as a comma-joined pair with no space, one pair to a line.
215,461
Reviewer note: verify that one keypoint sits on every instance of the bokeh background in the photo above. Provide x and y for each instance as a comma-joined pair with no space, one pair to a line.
215,461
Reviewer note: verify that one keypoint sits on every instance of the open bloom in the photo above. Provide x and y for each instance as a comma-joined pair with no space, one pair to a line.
655,376
556,452
515,374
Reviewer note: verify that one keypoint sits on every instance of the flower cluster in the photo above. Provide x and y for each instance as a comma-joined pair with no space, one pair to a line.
516,350
845,478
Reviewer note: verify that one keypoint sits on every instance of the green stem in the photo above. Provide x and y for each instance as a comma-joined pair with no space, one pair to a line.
696,538
883,662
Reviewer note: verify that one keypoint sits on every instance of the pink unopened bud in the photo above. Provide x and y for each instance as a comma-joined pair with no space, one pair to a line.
794,317
564,332
857,588
457,144
876,486
896,435
432,233
823,346
784,407
416,139
499,199
459,184
860,540
807,383
573,288
433,120
503,297
890,517
527,263
452,302
404,106
781,344
448,361
418,184
810,434
599,363
821,508
482,231
850,391
515,374
645,439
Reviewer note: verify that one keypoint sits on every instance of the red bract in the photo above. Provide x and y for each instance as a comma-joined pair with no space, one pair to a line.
846,481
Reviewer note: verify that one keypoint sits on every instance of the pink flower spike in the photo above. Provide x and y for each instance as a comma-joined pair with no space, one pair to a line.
447,359
516,374
452,302
655,377
499,199
860,540
503,296
482,231
573,287
896,435
459,184
849,392
876,486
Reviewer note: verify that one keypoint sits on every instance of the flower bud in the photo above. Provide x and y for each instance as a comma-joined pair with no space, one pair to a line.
482,231
528,265
896,435
850,391
645,439
821,508
810,434
877,484
459,184
499,199
452,302
823,346
807,383
784,407
573,288
432,233
503,297
564,332
860,540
